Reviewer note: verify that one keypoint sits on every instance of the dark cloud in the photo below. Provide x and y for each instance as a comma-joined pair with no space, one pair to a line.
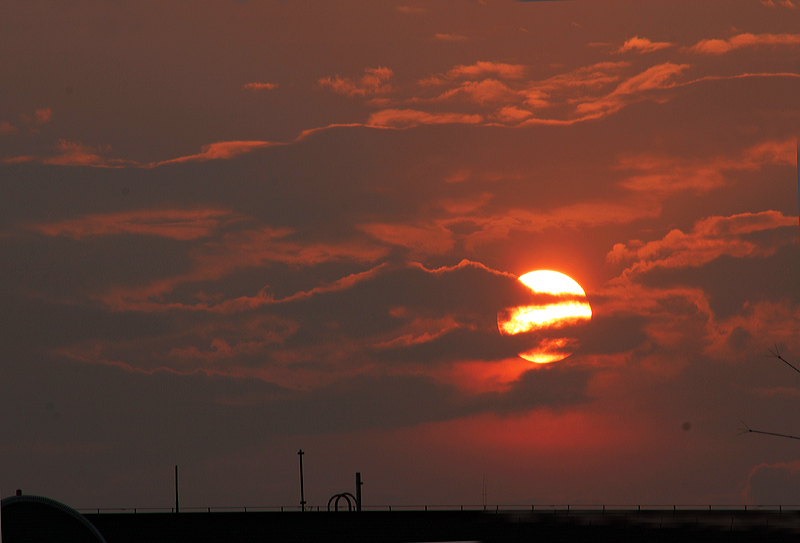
775,483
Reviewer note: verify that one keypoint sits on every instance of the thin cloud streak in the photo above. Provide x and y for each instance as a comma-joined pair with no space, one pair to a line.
642,45
709,239
720,47
259,86
219,151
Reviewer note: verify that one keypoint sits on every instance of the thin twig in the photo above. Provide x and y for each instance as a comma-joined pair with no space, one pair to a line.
775,353
749,430
744,430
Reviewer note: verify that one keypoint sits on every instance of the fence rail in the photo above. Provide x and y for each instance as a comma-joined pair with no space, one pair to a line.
497,508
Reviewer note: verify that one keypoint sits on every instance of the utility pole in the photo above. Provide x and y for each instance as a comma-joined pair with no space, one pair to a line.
177,509
358,490
302,491
483,492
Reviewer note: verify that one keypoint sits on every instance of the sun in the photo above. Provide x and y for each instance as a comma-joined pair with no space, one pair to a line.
549,328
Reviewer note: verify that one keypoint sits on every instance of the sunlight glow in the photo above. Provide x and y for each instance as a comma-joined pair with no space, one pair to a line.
547,351
568,310
530,317
551,282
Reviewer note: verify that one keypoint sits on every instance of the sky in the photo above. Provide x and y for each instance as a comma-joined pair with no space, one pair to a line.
232,229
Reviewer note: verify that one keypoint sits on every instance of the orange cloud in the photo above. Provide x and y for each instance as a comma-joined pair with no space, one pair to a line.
450,37
248,336
462,206
411,9
596,75
503,87
511,114
417,331
757,325
719,47
374,81
621,296
770,152
221,256
220,151
481,68
482,92
642,45
405,118
709,239
773,483
7,128
178,224
665,175
259,86
78,154
581,215
43,115
655,77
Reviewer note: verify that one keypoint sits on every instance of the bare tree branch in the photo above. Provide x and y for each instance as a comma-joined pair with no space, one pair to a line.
775,353
750,430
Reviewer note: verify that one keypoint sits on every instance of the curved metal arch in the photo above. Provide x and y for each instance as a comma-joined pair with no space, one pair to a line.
346,495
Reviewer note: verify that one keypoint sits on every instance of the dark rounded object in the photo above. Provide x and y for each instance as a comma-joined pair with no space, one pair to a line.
34,519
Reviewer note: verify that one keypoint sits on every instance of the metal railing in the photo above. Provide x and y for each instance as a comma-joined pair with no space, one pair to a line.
496,508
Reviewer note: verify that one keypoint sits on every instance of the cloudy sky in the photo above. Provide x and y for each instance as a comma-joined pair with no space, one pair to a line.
234,229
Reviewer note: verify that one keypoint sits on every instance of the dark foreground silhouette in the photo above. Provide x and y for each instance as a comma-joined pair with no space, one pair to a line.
34,522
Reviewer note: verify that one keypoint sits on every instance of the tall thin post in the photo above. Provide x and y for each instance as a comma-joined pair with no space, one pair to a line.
358,490
483,492
302,491
177,506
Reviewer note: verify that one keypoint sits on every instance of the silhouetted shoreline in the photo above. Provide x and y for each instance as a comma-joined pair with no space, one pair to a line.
408,526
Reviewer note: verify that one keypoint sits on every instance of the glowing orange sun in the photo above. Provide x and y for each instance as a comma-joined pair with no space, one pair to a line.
552,325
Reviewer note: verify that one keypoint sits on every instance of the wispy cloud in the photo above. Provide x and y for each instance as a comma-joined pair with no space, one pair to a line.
776,482
642,45
259,86
656,77
710,238
405,118
7,128
234,250
758,322
719,47
665,175
594,76
78,154
43,115
511,114
493,228
420,239
773,3
411,10
220,151
178,224
482,68
374,81
485,91
450,37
